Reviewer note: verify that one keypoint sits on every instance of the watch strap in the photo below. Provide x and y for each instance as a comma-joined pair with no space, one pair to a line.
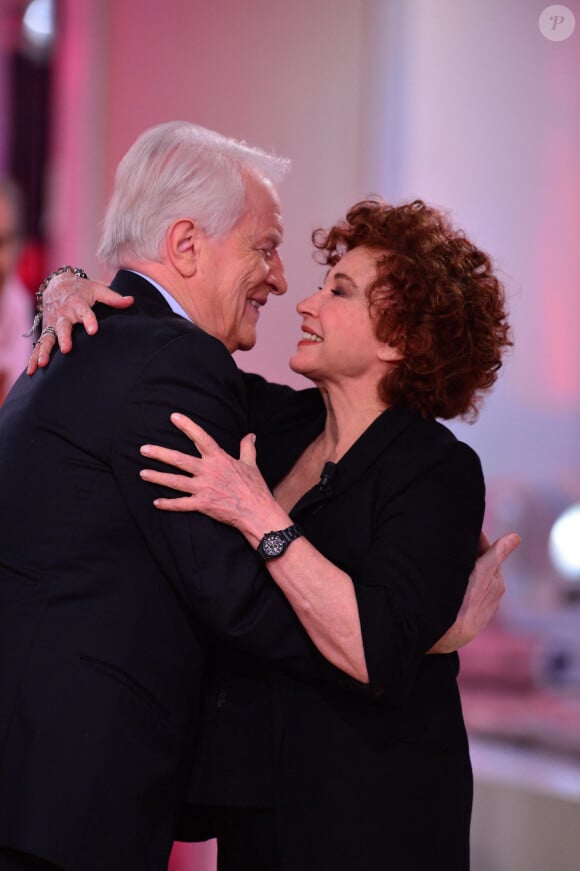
291,532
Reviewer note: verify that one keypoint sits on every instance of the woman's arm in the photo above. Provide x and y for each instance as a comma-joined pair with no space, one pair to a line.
321,594
235,493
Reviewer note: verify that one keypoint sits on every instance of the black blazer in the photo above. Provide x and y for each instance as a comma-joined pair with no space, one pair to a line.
104,600
362,780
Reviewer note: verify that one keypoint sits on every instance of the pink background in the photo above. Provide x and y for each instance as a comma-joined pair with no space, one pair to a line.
464,104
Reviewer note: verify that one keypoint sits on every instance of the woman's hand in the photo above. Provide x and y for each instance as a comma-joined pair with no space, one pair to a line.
68,300
483,594
229,490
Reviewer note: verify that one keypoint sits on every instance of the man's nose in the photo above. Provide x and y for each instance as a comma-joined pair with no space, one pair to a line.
276,277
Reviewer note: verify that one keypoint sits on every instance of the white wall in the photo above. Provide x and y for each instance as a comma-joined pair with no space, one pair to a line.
476,111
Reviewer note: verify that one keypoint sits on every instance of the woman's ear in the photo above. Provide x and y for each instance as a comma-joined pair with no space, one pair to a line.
181,241
388,353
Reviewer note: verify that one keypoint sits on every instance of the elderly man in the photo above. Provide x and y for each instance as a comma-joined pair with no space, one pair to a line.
104,618
103,605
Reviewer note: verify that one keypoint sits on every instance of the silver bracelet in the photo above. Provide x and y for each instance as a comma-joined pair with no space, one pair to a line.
74,270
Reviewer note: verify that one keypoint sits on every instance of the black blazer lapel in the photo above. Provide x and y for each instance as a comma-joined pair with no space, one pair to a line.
371,444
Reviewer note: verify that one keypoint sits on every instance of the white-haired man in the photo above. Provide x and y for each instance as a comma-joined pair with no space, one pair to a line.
103,605
195,224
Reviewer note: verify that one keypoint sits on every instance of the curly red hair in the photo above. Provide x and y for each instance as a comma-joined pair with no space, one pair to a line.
435,299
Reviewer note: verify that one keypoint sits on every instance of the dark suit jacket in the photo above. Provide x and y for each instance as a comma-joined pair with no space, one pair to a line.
363,780
104,600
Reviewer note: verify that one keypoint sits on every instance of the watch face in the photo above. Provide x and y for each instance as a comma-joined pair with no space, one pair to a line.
273,545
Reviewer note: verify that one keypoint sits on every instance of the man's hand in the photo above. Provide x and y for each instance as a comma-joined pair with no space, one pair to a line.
483,594
68,300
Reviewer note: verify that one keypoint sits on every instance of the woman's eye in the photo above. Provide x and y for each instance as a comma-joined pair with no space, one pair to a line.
335,291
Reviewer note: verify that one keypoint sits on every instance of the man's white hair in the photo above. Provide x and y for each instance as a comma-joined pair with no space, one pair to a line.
179,170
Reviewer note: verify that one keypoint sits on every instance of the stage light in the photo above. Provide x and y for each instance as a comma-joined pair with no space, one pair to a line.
564,544
38,23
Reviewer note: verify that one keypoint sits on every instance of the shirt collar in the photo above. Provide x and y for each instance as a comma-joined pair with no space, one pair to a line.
171,301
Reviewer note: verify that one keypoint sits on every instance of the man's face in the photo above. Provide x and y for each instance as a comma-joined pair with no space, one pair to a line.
237,272
9,240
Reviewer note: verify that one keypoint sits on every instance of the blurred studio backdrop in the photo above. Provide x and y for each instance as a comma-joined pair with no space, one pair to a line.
471,105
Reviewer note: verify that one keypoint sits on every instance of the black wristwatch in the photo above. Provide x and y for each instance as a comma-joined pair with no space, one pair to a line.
274,544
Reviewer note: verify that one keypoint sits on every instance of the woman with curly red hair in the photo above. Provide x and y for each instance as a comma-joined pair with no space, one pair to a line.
409,326
435,297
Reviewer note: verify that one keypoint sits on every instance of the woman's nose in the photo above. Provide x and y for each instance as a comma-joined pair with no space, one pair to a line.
307,306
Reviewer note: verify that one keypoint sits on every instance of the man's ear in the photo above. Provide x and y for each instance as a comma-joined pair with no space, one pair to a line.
182,247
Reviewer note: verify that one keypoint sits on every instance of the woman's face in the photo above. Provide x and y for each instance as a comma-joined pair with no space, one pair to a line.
338,342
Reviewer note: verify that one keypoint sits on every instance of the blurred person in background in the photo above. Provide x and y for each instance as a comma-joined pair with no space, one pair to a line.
15,300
